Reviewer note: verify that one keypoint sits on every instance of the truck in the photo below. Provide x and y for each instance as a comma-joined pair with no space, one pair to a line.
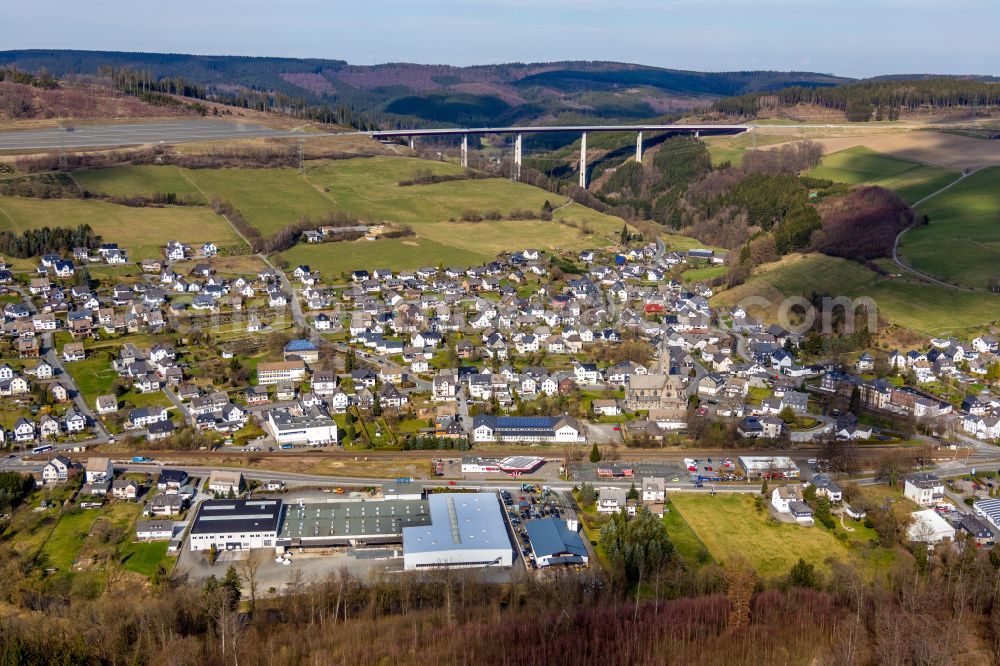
403,479
141,459
287,446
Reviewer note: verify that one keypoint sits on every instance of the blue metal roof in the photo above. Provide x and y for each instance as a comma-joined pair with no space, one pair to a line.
551,537
525,421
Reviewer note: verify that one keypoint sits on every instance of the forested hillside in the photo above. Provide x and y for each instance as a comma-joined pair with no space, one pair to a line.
410,94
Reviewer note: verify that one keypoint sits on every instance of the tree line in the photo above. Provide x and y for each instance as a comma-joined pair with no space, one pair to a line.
882,99
41,80
35,242
160,89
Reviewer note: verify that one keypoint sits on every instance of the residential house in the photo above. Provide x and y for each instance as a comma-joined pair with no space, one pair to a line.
654,490
826,487
222,482
99,470
923,488
126,489
106,404
56,470
612,500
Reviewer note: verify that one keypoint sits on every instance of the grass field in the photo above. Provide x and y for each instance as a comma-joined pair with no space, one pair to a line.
139,181
93,376
962,242
61,548
144,557
729,526
142,231
399,254
369,187
691,549
269,199
912,180
703,274
112,527
681,243
925,308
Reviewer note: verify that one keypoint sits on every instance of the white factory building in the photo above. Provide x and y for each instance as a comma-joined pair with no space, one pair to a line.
928,526
236,524
466,530
314,427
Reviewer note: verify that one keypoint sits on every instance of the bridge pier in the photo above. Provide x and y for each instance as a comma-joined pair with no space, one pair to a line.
517,158
465,150
638,148
583,160
412,143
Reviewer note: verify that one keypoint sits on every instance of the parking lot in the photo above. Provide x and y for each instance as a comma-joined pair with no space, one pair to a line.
525,505
273,577
672,472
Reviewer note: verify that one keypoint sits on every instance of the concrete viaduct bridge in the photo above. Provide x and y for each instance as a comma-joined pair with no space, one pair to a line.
583,130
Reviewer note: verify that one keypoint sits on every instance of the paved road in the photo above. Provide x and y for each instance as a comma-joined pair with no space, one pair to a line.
178,131
67,380
909,269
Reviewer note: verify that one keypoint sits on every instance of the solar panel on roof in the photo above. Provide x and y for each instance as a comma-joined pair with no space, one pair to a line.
242,516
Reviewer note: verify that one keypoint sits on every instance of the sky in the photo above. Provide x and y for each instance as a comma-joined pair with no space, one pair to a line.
846,37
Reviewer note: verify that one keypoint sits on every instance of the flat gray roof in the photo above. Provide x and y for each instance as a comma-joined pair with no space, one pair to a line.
330,521
459,521
220,516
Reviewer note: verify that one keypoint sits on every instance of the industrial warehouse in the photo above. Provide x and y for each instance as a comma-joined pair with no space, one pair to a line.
314,427
466,530
350,523
236,524
444,530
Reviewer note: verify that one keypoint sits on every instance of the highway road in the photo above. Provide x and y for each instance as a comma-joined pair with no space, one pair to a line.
184,131
180,131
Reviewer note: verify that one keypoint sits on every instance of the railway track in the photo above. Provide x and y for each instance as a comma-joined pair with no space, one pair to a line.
624,455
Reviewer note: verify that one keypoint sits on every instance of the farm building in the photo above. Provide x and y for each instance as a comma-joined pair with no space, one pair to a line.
465,530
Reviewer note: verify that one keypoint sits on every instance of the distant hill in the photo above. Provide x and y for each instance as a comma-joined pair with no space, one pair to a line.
403,93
